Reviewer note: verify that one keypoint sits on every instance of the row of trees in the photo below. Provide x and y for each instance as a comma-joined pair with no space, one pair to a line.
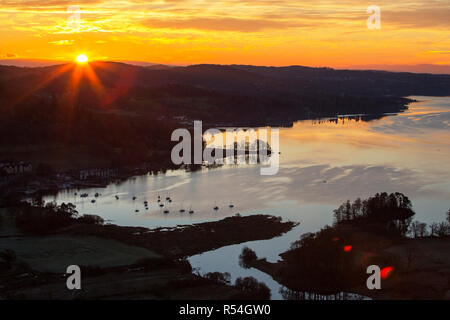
249,286
420,229
48,218
393,210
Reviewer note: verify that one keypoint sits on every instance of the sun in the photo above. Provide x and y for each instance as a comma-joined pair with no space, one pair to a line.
82,58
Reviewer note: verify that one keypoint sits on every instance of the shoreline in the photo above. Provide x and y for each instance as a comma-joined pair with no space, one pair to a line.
160,259
414,259
53,181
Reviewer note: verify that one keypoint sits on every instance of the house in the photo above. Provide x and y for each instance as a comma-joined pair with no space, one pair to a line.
15,168
98,173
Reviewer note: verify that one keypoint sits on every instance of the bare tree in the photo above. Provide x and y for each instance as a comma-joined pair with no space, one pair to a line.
434,229
443,229
422,229
418,229
415,229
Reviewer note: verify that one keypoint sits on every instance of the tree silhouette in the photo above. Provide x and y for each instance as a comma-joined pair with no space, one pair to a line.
247,257
256,290
392,210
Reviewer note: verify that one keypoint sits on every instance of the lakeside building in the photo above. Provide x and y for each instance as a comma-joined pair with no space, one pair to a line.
98,173
15,168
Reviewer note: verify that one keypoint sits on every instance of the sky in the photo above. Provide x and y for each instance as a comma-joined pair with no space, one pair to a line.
258,32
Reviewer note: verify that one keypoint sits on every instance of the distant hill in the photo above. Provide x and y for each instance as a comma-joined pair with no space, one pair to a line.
45,63
150,65
124,114
30,63
225,94
419,68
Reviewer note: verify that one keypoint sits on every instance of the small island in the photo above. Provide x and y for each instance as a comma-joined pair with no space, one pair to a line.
377,231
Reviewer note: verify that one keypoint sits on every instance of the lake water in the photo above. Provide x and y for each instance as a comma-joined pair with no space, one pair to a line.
322,164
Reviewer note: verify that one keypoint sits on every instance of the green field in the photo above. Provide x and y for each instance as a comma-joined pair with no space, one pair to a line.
55,253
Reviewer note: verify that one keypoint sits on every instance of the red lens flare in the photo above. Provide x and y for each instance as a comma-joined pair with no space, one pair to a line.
348,248
386,272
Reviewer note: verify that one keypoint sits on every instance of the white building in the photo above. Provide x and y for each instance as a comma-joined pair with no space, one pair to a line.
16,168
99,173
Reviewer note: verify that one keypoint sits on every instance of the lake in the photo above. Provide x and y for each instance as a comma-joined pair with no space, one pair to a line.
322,164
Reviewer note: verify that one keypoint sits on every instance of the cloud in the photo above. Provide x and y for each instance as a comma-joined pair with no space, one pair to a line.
310,32
62,42
438,52
8,55
437,17
46,3
221,24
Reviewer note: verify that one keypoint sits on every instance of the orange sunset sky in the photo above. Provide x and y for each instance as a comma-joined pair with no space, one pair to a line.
260,32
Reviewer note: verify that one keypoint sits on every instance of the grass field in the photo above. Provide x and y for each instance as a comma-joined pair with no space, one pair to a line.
7,224
56,253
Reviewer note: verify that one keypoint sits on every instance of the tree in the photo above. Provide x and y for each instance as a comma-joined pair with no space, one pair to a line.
306,240
422,229
357,208
348,211
415,229
338,214
247,257
448,216
218,277
418,229
434,229
40,220
443,229
251,286
91,219
390,211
